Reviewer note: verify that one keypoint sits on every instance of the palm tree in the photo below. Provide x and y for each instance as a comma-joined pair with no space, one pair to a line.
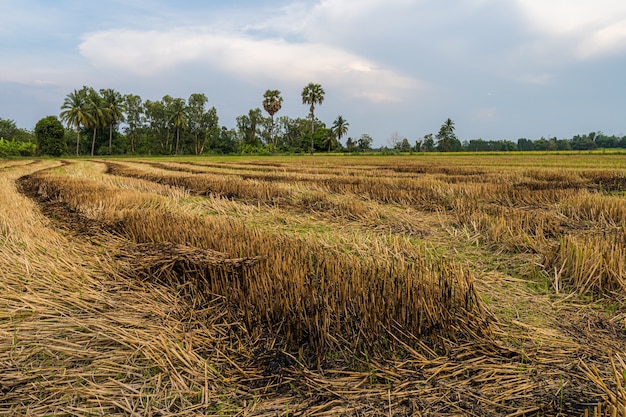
340,128
74,112
312,94
113,102
178,118
98,114
447,140
330,140
272,103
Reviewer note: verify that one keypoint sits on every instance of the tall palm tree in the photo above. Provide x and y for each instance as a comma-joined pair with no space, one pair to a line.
74,112
115,105
178,118
312,94
447,140
98,114
340,128
272,102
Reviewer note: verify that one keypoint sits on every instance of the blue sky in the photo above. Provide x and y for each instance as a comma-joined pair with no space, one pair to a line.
501,69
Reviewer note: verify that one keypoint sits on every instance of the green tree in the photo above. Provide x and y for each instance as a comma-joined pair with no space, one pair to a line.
50,135
178,118
9,131
196,112
312,95
157,119
524,144
211,126
339,128
134,118
272,102
114,104
75,112
248,126
365,142
404,145
446,139
429,143
351,145
330,140
98,114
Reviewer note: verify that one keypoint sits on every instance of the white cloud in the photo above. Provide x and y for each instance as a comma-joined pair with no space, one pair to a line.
608,40
147,53
585,29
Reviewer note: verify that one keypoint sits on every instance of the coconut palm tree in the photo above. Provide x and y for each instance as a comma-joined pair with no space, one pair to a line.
98,114
340,128
312,94
272,102
447,140
74,112
114,103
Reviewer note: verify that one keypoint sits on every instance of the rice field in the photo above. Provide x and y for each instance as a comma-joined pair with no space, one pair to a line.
438,285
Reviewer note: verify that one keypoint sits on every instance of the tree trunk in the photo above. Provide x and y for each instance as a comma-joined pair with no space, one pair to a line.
177,139
312,131
93,140
77,140
110,138
272,134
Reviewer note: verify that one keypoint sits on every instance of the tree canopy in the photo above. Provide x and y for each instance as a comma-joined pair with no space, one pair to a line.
50,136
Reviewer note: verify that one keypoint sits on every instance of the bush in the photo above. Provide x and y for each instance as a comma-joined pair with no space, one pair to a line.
13,148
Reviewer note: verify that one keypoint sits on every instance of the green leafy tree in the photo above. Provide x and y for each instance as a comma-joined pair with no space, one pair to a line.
157,119
312,95
50,135
10,132
404,145
429,143
272,102
8,129
524,144
196,112
446,139
248,126
351,145
114,103
134,118
365,142
212,131
178,118
75,112
339,128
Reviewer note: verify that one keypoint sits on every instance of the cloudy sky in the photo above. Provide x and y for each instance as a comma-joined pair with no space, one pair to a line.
501,69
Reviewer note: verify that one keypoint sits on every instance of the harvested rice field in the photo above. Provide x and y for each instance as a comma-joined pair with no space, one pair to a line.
424,285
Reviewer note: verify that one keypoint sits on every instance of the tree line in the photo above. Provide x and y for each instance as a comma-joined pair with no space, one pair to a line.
446,141
106,122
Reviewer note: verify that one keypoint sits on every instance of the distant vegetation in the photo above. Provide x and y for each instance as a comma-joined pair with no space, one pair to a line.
107,122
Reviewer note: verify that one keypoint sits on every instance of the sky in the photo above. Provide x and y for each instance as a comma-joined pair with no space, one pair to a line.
500,69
